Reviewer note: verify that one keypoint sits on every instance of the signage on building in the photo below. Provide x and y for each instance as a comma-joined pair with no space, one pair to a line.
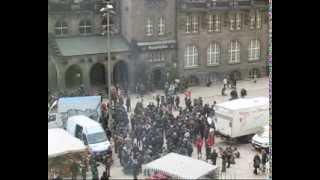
155,45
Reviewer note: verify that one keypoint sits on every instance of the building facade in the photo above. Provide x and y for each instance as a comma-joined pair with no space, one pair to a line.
77,50
203,39
149,25
222,38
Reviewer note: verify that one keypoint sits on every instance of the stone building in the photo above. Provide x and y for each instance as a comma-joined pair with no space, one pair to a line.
207,39
77,52
149,25
218,38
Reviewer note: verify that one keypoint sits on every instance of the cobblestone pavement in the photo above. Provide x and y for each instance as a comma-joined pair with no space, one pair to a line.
243,169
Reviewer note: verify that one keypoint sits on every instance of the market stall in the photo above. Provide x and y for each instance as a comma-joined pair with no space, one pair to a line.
66,154
177,166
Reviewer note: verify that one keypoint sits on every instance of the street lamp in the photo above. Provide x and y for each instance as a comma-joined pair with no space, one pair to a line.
106,13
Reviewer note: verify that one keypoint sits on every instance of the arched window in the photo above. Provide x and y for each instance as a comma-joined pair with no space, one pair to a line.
85,27
191,56
213,54
61,28
254,50
234,52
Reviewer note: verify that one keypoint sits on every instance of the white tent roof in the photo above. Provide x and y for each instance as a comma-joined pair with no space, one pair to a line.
179,166
61,142
245,103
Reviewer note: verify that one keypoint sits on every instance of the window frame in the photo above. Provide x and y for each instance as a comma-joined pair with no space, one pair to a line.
234,51
188,24
254,50
217,23
162,26
149,27
63,26
258,19
191,54
238,21
213,54
195,24
85,27
211,23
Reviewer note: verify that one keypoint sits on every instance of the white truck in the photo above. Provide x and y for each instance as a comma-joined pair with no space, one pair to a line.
241,118
89,106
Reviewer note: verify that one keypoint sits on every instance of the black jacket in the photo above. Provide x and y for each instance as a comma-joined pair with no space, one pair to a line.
256,161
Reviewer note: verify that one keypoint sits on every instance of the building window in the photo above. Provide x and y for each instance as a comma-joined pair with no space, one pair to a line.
210,23
213,54
232,24
162,26
258,20
157,56
234,52
188,24
238,21
61,28
191,56
252,21
254,50
149,27
195,24
217,23
85,27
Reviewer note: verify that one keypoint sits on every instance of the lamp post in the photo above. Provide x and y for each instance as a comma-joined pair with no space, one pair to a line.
106,12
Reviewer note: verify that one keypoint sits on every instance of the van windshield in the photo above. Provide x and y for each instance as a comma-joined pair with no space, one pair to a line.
97,138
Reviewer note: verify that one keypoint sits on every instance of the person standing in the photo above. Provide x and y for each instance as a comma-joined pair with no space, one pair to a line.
256,163
224,161
214,156
208,151
177,101
225,82
158,100
135,168
199,143
108,165
128,104
264,160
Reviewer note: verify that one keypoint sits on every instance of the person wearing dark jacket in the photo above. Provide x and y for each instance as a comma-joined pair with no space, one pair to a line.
128,104
256,163
177,102
264,160
214,156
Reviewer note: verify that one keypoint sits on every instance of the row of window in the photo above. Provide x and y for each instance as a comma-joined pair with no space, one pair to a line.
161,28
61,28
214,53
214,22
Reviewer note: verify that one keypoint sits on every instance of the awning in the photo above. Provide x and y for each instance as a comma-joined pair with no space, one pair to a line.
180,167
75,46
61,142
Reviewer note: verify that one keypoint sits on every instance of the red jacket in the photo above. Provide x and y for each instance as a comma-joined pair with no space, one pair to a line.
210,140
199,143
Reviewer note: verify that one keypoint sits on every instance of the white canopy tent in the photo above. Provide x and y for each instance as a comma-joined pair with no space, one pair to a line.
180,167
61,142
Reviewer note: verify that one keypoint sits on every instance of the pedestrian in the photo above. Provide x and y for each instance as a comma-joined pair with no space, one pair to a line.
264,160
214,156
224,161
225,82
158,100
128,104
75,169
229,156
256,163
199,143
108,162
104,176
177,102
208,151
135,168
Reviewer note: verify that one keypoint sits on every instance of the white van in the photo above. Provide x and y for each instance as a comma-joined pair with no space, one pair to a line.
242,117
91,133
